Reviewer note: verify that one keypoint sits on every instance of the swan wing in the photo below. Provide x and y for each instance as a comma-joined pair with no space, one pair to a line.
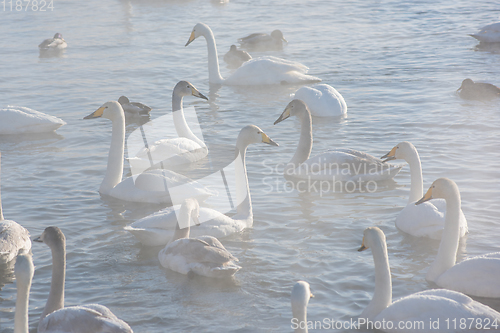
254,35
19,120
13,237
322,100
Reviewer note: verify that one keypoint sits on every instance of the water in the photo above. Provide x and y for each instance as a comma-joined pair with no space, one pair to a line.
397,66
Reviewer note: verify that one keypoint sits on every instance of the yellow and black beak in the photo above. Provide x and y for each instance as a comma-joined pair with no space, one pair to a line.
390,155
268,140
96,114
198,94
426,197
191,38
363,247
283,116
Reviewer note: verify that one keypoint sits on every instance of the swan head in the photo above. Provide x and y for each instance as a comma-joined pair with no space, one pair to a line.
233,48
123,100
301,293
252,134
53,237
294,108
184,88
58,36
372,236
278,35
198,30
109,110
442,188
24,269
401,151
467,83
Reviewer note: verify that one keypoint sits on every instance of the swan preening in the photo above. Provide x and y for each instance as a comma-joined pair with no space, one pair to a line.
301,293
488,34
259,71
203,255
158,228
133,108
152,186
13,237
235,58
21,120
426,219
55,43
186,148
332,165
85,318
322,100
476,276
478,90
426,306
263,41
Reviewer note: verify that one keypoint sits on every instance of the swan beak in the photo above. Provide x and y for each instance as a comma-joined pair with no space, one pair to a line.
389,156
96,114
283,116
191,38
312,295
283,38
38,239
427,196
268,140
363,247
198,94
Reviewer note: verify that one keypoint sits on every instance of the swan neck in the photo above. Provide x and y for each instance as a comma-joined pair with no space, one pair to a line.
448,247
305,142
243,200
56,295
21,316
182,227
213,60
417,182
180,123
299,312
114,170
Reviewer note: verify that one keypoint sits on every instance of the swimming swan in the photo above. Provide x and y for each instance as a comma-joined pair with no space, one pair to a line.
55,317
476,276
55,43
185,149
427,219
203,255
21,120
133,108
158,228
13,238
488,34
478,90
235,58
424,306
151,186
263,41
301,293
332,165
264,70
322,100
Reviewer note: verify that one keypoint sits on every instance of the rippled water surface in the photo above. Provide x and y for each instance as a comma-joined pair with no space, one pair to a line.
396,63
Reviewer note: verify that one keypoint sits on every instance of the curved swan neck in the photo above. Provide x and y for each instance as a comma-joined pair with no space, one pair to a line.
114,169
56,295
182,227
21,316
243,199
305,142
213,61
447,252
382,297
180,123
417,182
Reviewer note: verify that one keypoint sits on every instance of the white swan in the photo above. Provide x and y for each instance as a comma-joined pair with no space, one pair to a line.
185,149
332,165
85,318
55,43
476,276
425,307
21,120
152,186
264,70
203,255
13,238
157,229
427,219
322,100
235,58
488,34
133,108
301,293
263,41
23,270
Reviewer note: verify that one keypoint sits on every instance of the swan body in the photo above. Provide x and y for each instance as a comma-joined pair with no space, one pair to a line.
263,41
204,255
301,293
426,219
21,120
260,71
322,100
85,318
158,228
489,33
55,43
168,153
333,165
425,306
150,186
476,276
478,90
133,108
235,58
